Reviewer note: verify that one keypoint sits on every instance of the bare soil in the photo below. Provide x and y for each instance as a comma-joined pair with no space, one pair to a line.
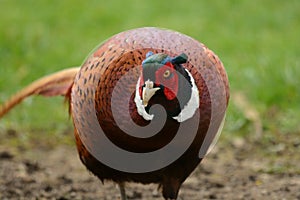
233,170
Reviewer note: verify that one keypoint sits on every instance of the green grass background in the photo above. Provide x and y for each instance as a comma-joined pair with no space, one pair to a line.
258,42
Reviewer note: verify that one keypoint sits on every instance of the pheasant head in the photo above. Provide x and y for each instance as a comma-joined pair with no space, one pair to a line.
165,81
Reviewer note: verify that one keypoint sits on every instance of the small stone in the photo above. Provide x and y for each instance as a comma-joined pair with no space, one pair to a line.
11,133
252,178
238,143
6,155
212,196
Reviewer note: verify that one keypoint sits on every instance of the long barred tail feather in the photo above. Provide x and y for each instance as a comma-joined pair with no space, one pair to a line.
55,84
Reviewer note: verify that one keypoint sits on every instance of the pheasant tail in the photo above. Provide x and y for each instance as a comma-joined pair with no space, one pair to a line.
54,84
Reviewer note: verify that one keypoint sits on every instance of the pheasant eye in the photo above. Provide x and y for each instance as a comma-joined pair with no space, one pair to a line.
167,74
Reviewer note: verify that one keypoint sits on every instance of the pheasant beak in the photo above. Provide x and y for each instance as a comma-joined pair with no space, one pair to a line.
148,92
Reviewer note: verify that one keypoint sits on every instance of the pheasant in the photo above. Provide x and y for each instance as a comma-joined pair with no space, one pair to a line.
147,105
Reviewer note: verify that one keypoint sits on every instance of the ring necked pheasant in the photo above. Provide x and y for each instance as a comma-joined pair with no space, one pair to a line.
115,92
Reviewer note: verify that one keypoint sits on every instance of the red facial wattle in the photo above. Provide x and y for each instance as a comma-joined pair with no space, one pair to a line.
170,83
141,85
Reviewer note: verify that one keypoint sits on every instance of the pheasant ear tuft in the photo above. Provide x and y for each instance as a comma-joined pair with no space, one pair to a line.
182,58
150,53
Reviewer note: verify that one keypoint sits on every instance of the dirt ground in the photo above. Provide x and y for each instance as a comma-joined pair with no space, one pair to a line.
233,170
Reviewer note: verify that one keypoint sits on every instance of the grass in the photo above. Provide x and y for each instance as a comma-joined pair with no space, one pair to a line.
258,42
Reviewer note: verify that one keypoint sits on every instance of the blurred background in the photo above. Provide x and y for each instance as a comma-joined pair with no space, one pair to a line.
257,41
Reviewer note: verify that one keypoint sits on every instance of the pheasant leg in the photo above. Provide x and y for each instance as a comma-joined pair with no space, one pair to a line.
122,191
